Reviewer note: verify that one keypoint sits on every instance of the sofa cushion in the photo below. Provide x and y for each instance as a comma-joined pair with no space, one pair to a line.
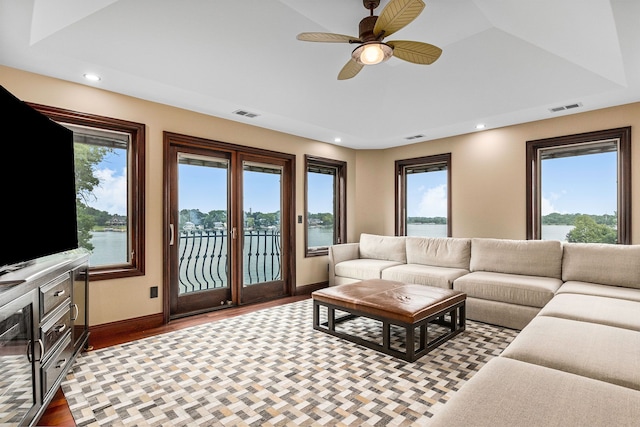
533,291
440,277
589,308
439,251
507,393
527,257
343,280
601,352
620,292
500,313
616,265
363,269
389,248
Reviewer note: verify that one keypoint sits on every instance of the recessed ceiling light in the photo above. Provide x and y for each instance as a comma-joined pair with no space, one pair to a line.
92,77
337,139
480,126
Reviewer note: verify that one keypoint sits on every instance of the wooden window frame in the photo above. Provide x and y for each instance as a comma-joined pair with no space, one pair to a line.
340,202
533,180
136,198
401,188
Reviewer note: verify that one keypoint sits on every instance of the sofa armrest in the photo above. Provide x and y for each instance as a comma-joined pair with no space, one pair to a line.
339,253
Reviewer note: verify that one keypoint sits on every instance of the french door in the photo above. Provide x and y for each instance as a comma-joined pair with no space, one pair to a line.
229,225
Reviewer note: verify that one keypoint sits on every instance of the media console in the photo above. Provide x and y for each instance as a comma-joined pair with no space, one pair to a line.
44,325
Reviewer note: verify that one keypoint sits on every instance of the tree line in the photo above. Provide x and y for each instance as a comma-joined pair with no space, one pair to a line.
217,218
426,220
556,218
586,228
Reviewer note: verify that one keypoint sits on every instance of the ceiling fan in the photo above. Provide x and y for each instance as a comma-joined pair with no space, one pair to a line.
371,49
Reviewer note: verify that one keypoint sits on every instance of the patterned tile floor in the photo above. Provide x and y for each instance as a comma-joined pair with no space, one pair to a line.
270,368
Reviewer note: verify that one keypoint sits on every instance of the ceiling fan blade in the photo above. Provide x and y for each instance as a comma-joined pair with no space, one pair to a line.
396,15
327,38
416,52
350,70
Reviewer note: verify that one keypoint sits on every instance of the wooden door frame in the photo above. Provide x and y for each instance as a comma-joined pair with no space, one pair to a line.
171,139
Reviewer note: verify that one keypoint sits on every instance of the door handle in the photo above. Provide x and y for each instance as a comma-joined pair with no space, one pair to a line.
234,233
170,234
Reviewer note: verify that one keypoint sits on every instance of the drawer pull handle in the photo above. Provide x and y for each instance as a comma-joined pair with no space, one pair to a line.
75,316
61,363
41,351
60,328
59,293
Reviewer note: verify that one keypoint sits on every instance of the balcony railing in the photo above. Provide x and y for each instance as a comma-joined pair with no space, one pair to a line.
204,261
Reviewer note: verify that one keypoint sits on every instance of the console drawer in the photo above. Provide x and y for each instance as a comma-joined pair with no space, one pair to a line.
54,293
56,366
54,329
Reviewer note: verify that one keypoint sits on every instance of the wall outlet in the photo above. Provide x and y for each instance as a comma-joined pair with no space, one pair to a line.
153,292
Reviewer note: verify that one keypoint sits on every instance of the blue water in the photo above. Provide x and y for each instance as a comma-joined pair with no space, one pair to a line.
111,246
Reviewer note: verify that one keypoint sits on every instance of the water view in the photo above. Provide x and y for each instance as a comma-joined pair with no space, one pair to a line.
319,237
549,232
111,246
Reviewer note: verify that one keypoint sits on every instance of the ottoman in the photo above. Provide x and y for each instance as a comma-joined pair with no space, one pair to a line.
407,306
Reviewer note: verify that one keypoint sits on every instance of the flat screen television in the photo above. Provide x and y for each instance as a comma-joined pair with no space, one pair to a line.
37,185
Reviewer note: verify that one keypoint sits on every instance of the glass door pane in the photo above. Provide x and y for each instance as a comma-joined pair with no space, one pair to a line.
262,207
202,198
202,278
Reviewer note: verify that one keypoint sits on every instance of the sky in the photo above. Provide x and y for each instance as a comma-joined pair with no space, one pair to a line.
580,184
205,188
111,194
427,194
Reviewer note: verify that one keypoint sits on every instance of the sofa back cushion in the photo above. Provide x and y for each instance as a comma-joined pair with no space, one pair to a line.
390,248
615,265
439,251
527,257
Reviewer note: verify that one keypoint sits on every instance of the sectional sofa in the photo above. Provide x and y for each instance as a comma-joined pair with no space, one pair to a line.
576,360
507,282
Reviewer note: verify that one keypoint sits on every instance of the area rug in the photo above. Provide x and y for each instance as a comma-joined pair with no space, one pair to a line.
270,368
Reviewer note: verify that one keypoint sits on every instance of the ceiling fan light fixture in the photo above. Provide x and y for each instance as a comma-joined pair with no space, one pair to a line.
372,53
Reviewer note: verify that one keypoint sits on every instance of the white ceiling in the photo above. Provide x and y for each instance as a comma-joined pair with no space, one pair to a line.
503,62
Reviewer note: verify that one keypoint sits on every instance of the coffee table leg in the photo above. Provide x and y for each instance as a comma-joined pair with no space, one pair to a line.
331,318
386,335
410,345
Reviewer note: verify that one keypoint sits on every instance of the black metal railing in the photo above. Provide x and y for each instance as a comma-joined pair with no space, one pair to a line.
204,261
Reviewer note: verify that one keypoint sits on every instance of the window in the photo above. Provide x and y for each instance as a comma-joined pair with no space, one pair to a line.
325,204
109,157
423,196
578,187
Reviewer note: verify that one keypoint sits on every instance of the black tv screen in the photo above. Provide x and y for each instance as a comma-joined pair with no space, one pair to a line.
37,184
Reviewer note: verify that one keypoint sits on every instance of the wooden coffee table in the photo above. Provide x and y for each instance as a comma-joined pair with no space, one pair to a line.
407,306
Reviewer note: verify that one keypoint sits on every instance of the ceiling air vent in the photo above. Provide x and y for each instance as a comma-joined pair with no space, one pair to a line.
414,137
565,107
245,114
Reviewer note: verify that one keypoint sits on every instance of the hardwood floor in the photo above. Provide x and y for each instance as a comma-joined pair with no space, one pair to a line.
58,413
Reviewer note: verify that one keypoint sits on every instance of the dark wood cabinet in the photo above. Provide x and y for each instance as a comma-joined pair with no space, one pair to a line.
43,327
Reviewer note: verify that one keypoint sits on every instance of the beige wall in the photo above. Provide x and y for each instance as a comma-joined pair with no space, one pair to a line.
488,173
488,178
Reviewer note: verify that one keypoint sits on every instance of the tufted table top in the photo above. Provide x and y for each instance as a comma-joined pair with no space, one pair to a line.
408,303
